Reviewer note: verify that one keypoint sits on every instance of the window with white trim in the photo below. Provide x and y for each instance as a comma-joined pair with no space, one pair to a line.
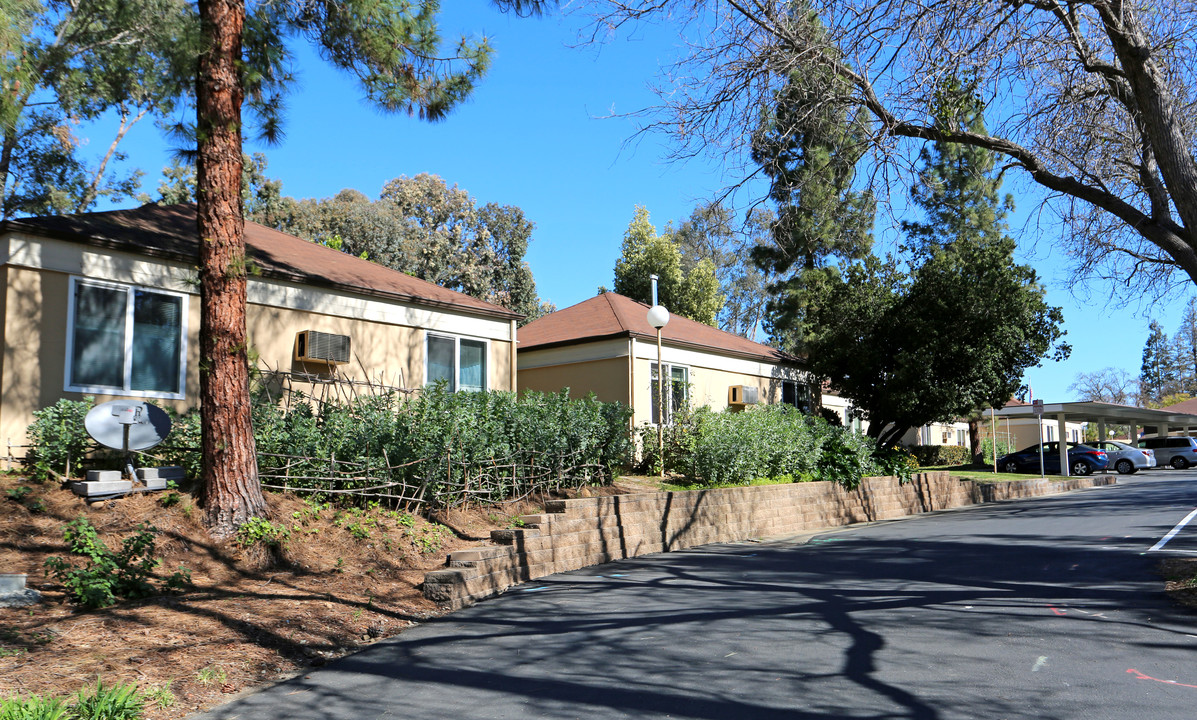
127,340
460,362
677,392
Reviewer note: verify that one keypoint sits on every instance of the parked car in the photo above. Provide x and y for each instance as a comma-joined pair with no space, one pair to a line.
1124,458
1179,451
1082,459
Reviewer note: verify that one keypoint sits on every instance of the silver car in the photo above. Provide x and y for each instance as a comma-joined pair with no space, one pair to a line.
1179,451
1124,458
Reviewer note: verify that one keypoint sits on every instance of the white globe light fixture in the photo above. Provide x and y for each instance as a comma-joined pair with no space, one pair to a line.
658,316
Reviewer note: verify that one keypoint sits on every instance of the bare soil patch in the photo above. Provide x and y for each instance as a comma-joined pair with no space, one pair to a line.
344,579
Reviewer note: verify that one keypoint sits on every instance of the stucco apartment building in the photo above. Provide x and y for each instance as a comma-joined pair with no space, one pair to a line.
107,305
606,346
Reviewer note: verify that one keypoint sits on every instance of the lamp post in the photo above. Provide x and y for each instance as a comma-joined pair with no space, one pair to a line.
658,317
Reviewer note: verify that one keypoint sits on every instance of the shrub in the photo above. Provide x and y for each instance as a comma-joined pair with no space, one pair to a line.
260,530
941,454
107,576
57,437
771,442
1003,448
446,438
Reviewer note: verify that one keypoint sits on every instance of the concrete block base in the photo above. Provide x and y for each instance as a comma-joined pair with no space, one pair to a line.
91,488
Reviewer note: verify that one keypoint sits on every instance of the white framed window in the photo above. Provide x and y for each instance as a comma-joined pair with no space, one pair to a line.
960,439
677,392
126,340
460,362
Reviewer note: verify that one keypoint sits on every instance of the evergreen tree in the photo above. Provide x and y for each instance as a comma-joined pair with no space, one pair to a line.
809,149
711,232
1185,346
956,331
694,294
394,49
1157,376
957,189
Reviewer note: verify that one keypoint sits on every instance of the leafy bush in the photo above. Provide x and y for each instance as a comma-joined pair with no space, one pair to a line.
443,436
1003,448
770,442
107,576
260,530
57,437
941,455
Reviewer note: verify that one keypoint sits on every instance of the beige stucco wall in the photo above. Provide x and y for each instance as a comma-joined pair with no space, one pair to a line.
35,302
607,379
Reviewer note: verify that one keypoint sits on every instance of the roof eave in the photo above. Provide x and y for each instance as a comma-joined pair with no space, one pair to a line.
123,245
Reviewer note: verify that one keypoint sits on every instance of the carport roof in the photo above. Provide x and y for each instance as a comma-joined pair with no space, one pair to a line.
1097,411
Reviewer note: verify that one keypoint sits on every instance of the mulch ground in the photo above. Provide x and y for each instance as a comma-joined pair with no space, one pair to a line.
344,579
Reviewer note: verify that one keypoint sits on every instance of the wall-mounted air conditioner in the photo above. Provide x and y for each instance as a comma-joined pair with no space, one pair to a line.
743,395
321,347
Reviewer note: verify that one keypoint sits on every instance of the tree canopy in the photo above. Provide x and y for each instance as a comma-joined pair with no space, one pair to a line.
1090,100
694,294
956,330
424,227
63,63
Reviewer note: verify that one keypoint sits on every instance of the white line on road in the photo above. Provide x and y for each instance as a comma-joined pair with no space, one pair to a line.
1172,533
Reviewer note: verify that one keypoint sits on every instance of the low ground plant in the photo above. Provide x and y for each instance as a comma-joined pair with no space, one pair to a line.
119,702
105,577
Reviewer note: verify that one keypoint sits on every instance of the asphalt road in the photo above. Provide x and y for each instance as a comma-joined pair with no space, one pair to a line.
1047,608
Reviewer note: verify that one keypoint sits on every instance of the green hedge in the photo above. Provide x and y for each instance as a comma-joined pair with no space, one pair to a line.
932,455
771,442
437,434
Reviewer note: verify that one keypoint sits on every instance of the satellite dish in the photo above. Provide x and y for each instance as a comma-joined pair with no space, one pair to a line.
127,424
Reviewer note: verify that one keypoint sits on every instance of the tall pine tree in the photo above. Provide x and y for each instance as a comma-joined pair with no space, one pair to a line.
1157,375
959,194
809,149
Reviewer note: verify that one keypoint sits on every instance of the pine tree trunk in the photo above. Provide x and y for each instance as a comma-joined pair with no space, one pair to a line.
231,492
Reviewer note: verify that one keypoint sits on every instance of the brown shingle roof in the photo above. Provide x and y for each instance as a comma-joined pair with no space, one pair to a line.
169,231
611,315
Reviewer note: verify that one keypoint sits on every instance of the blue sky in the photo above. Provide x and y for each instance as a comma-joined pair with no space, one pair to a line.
538,133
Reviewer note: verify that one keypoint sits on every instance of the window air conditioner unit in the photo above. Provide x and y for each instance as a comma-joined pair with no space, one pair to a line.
743,395
320,347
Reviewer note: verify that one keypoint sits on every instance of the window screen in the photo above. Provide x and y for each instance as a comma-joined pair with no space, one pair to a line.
440,360
98,341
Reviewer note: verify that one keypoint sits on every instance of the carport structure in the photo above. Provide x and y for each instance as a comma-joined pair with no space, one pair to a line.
1162,422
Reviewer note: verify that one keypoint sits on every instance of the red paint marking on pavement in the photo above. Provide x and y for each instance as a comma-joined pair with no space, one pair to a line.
1057,611
1140,676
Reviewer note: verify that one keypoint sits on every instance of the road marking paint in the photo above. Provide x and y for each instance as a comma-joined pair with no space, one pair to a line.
1140,676
1057,610
1172,533
1039,663
535,589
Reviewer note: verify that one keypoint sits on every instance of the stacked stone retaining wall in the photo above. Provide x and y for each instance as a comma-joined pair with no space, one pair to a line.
572,534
